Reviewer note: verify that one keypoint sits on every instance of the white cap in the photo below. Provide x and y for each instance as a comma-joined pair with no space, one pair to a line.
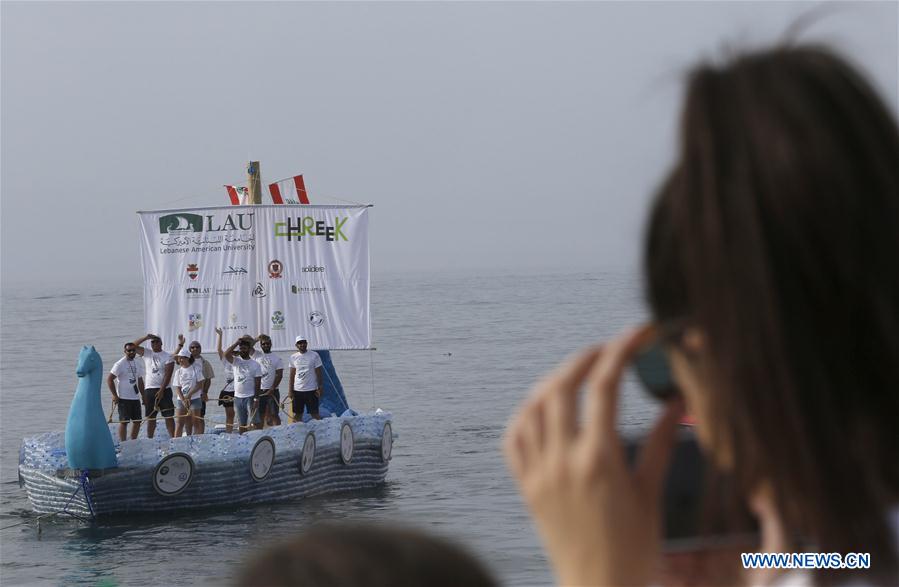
185,352
300,338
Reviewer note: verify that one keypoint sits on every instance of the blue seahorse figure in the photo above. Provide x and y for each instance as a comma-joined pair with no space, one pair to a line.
88,440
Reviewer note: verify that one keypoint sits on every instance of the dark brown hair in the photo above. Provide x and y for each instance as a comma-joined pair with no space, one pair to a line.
348,555
777,235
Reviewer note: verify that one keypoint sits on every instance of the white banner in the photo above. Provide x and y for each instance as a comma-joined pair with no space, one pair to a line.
280,270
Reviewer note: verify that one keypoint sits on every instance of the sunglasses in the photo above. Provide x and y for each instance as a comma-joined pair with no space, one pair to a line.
193,346
130,350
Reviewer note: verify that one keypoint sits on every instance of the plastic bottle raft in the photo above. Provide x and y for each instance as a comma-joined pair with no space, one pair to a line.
291,461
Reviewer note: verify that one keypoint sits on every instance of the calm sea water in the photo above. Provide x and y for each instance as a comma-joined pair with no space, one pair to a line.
456,354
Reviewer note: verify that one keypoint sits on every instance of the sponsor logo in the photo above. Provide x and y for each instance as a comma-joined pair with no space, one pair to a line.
184,232
223,291
313,269
180,223
232,271
316,318
193,270
302,289
184,222
259,290
235,323
275,268
197,292
194,322
278,320
307,226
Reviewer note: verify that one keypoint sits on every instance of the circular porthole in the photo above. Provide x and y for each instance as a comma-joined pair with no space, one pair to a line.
308,454
347,443
386,442
262,458
173,474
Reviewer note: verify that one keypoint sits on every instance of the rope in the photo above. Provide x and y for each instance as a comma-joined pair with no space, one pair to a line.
86,487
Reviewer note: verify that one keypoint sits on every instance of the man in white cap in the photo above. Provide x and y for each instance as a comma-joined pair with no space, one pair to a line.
306,377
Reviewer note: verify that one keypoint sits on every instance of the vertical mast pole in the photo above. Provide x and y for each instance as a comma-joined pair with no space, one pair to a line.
254,182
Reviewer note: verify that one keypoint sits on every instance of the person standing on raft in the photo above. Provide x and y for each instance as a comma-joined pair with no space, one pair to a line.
126,383
159,366
306,379
247,383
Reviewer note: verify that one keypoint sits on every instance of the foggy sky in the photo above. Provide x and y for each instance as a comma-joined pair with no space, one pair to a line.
496,136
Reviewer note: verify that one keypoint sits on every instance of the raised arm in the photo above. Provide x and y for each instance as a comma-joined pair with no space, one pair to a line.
218,343
229,352
139,343
180,344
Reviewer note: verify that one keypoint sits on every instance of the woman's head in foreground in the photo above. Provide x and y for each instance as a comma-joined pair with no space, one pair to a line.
344,555
773,259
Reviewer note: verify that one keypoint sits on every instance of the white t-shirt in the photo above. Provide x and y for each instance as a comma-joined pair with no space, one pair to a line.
187,377
126,375
269,363
305,364
155,367
245,372
229,375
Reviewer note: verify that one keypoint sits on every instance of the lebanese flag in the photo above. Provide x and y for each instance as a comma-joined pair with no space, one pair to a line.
293,190
239,195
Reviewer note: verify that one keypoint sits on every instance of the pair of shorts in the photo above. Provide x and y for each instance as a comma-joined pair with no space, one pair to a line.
247,406
195,404
270,403
307,399
226,398
166,405
129,410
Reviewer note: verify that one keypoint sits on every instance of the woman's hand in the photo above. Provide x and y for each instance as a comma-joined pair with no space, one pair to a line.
599,518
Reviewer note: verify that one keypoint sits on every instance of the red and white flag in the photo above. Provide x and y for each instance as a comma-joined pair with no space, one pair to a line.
239,195
291,191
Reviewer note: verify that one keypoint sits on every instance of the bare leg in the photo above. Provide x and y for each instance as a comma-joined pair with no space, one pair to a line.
151,427
182,418
135,429
199,423
229,419
170,424
123,430
195,421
